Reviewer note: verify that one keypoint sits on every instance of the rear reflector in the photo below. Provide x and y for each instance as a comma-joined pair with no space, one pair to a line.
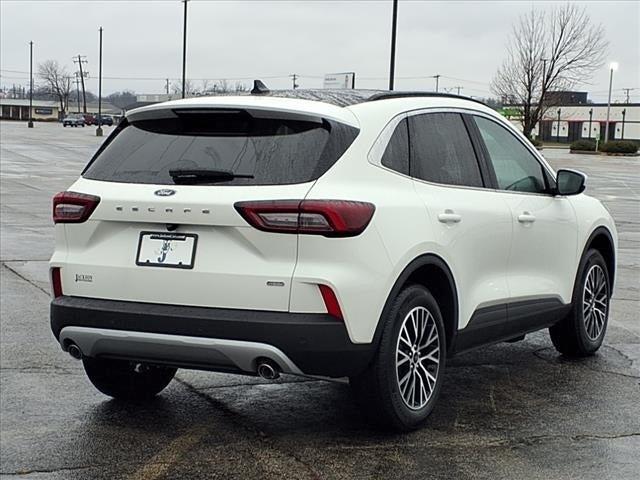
56,282
331,218
73,207
330,301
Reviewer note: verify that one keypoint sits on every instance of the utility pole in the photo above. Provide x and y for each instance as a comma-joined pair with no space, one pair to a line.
80,60
99,129
558,130
184,49
30,124
394,25
77,82
458,89
437,77
166,86
626,91
294,77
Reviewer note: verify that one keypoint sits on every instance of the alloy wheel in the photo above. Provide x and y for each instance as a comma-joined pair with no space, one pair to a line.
417,357
595,299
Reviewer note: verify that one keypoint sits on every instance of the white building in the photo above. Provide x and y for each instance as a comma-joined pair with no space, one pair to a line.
568,123
574,118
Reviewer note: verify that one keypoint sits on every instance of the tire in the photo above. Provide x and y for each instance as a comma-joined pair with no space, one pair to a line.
64,125
582,331
382,389
126,380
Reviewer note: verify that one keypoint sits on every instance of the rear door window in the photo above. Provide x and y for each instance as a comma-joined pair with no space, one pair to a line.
274,151
441,150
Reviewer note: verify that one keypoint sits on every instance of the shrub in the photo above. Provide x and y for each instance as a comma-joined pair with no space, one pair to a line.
619,146
584,145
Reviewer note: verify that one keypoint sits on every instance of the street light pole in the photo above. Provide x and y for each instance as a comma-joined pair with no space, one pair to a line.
590,118
99,129
30,124
613,66
558,129
184,49
624,113
394,23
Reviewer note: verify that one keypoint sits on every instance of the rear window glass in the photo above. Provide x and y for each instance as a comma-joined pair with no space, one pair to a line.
274,151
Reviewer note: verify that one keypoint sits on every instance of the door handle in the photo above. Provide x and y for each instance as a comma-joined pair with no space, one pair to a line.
526,217
449,217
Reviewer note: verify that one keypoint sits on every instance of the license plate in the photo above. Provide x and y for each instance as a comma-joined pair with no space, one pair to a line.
161,249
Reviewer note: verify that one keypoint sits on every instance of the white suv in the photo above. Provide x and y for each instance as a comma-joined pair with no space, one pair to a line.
357,234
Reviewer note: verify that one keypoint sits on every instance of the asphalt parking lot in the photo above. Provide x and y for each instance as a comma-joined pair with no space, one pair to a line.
508,411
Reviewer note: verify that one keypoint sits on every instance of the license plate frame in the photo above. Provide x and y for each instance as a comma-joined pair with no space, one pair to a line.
163,237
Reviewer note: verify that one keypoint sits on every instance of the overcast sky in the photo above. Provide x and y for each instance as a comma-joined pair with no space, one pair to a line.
462,41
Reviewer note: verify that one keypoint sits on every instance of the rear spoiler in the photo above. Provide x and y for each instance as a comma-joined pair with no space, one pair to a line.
176,112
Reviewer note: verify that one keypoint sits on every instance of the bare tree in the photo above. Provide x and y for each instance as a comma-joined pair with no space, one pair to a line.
221,86
58,80
121,99
548,52
189,88
241,87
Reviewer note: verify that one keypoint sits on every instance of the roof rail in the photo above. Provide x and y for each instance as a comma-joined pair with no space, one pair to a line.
389,95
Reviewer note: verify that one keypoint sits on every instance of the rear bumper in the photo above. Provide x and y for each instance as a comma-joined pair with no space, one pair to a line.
209,338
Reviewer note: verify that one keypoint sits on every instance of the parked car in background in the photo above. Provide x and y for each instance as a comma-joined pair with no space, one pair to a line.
73,121
89,119
105,120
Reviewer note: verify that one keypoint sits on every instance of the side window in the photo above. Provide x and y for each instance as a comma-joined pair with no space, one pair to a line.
441,150
396,155
516,168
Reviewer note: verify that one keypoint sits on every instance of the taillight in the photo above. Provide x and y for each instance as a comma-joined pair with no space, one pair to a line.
73,207
330,301
331,218
56,282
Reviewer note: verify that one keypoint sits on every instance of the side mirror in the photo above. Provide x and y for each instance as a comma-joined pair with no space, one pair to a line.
570,182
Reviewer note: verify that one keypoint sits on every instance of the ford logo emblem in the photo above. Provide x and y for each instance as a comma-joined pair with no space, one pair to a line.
164,192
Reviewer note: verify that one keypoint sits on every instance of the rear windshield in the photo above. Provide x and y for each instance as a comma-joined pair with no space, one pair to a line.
274,151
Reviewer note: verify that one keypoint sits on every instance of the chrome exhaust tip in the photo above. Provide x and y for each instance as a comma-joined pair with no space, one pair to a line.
268,370
74,351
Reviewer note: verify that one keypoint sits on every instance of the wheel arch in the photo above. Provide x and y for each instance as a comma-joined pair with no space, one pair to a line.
601,240
432,272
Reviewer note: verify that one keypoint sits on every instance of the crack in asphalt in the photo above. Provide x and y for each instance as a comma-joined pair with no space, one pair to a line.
594,369
30,282
46,368
507,442
54,470
535,439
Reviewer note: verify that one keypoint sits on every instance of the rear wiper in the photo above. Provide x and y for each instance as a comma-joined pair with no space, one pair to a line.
192,176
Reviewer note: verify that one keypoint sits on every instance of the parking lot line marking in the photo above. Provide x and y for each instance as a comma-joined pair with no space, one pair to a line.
158,465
